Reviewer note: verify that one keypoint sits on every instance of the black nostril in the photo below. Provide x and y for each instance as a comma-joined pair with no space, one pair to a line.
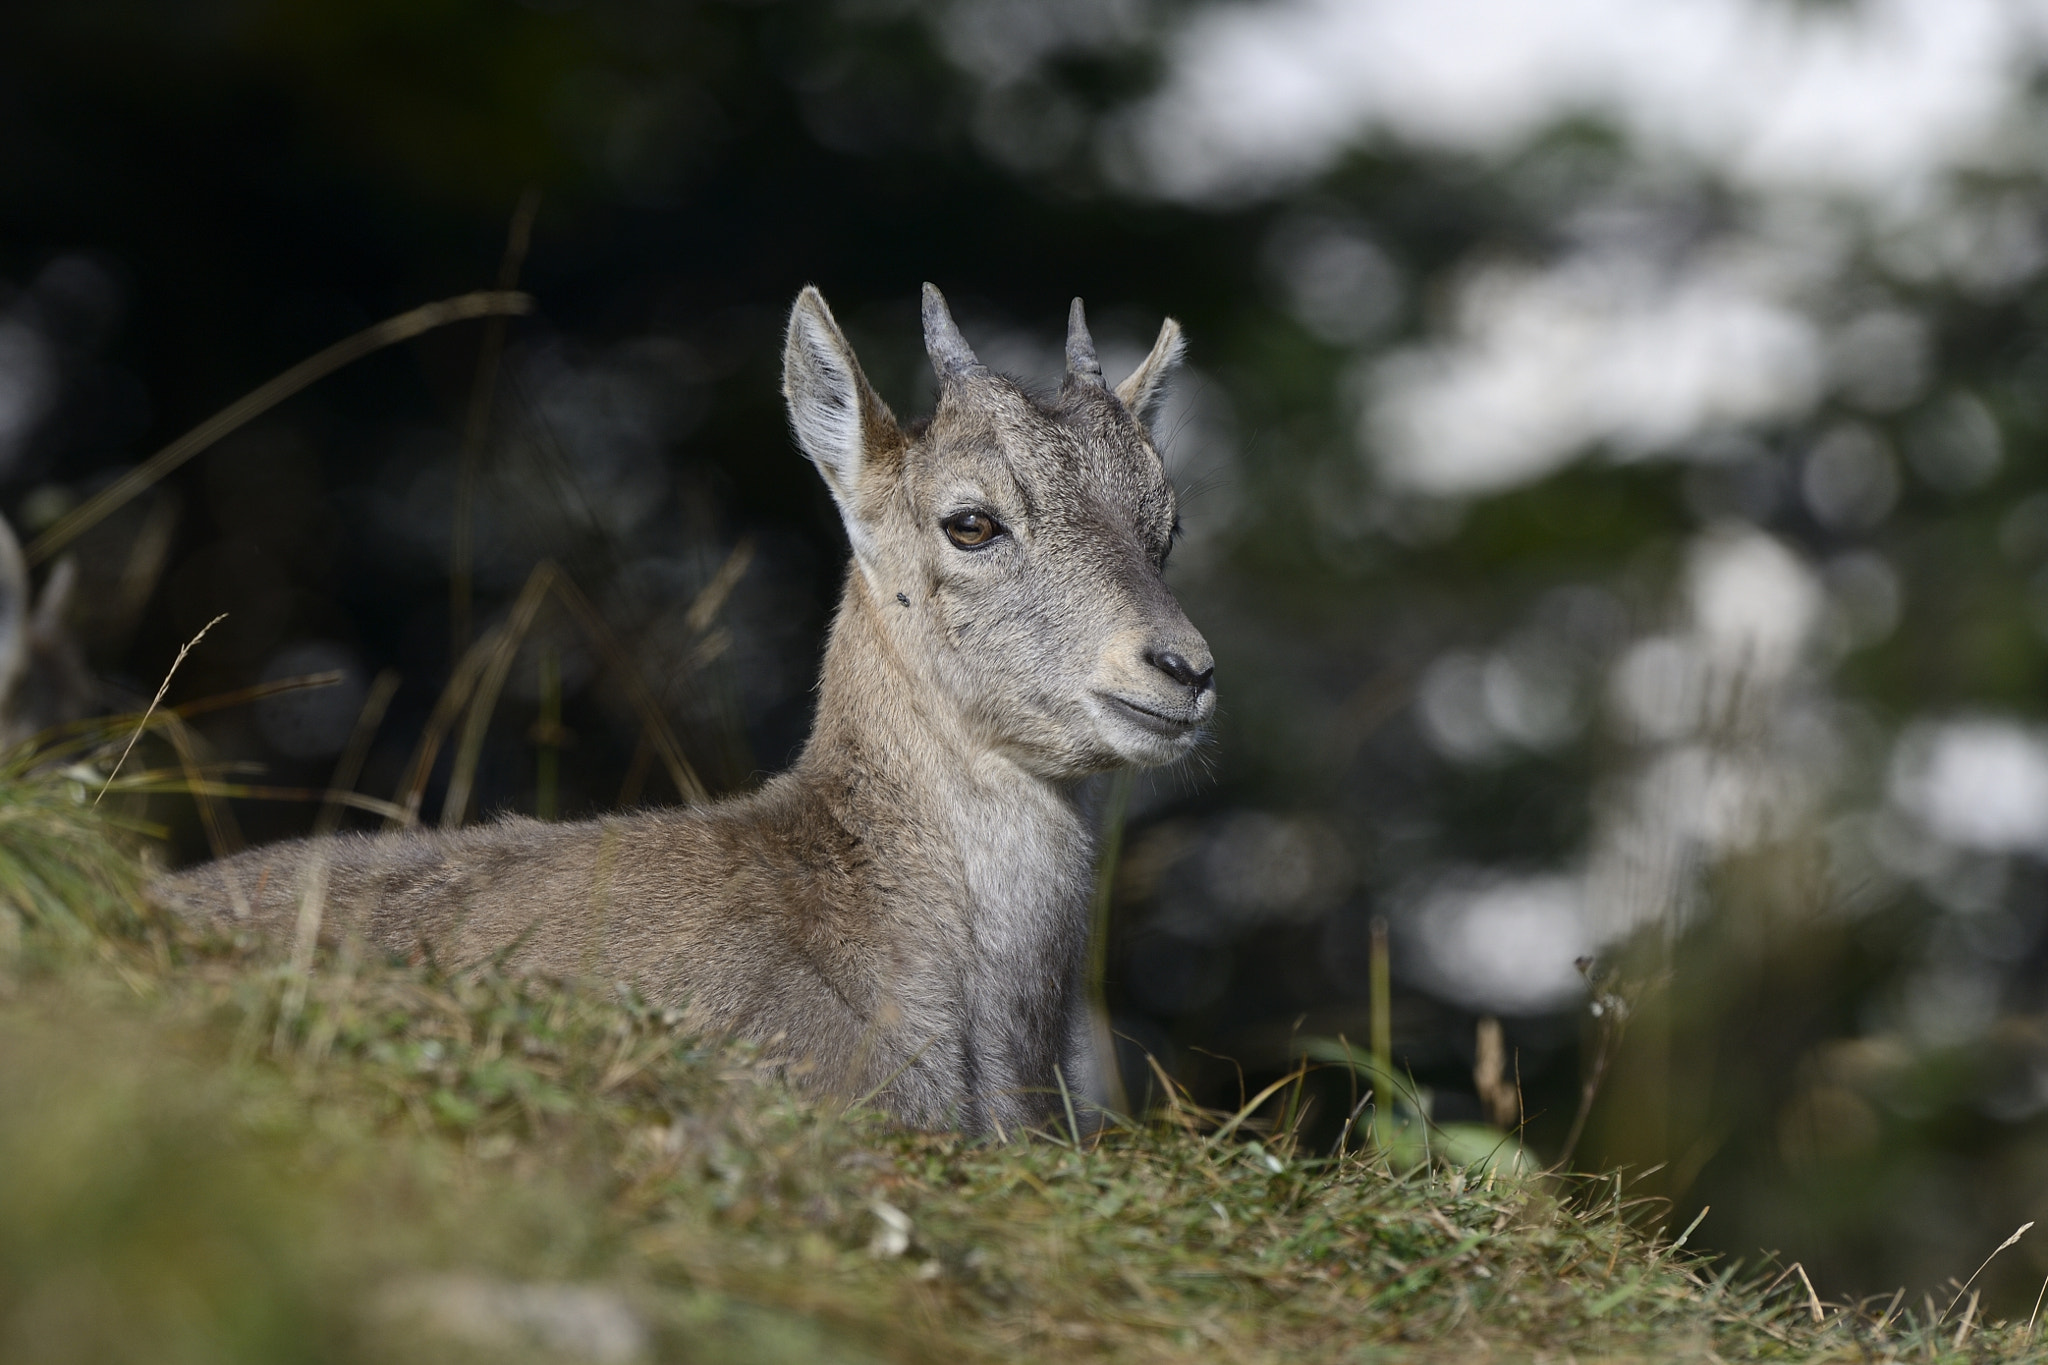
1181,671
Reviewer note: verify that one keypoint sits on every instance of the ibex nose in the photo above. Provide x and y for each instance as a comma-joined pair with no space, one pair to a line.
1181,671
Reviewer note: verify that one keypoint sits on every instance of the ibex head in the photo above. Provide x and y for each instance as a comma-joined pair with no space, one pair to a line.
1011,548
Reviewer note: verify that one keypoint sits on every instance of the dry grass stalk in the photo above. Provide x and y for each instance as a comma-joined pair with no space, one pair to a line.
257,401
242,696
499,648
1812,1299
1380,984
1611,1009
710,599
1252,1105
223,836
1969,1318
155,702
349,766
305,938
1501,1099
653,720
479,679
476,428
336,797
412,787
1109,849
2018,1233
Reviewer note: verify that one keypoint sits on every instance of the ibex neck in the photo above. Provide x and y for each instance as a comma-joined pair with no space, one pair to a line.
878,710
988,864
888,747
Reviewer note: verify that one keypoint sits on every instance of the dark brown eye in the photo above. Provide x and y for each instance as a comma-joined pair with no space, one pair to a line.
971,530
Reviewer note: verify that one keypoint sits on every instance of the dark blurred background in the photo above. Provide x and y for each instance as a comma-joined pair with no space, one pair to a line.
1615,452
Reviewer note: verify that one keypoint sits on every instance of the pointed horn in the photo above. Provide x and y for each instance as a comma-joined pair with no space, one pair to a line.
1082,366
942,340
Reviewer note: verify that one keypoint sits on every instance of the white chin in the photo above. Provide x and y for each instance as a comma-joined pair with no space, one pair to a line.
1140,744
1151,751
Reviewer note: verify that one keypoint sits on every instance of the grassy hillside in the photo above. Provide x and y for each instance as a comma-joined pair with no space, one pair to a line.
205,1156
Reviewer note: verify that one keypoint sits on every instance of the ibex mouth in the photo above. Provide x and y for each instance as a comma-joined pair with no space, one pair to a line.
1158,722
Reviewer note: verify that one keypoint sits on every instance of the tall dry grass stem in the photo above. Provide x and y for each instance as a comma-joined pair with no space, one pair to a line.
1252,1106
2018,1233
349,767
1611,1010
479,678
654,721
1969,1320
148,552
863,1101
1501,1101
1067,1101
155,702
500,648
263,691
601,895
448,707
483,393
1812,1299
223,835
305,940
548,736
1381,986
710,599
255,791
404,327
1116,805
1180,1110
1690,1228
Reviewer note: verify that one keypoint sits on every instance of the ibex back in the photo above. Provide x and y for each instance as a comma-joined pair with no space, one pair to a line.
905,910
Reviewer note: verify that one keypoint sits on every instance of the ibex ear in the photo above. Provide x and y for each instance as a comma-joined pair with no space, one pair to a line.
1145,390
839,422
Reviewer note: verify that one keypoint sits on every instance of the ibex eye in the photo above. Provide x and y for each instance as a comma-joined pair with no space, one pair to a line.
971,530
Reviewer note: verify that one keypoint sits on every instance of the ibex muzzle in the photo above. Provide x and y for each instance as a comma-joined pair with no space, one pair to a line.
907,907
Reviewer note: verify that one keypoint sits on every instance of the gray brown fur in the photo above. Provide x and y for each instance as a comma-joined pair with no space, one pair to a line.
906,909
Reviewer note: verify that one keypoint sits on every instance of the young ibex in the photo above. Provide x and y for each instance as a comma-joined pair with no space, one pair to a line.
905,910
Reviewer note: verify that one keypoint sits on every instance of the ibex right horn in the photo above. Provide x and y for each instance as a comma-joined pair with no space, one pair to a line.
1082,366
942,340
